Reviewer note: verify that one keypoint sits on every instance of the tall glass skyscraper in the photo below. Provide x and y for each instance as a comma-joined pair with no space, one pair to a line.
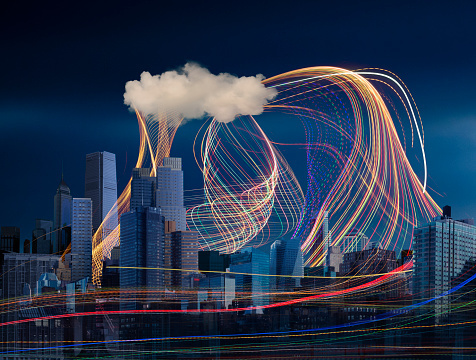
182,249
169,196
142,245
81,239
101,188
441,250
62,218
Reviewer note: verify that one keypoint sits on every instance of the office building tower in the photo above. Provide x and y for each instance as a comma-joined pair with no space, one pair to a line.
62,218
143,188
323,237
169,197
101,188
41,237
81,239
142,245
10,238
286,260
353,241
184,255
441,250
247,264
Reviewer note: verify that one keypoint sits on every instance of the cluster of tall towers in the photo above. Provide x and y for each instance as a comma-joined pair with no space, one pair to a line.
153,232
77,219
150,232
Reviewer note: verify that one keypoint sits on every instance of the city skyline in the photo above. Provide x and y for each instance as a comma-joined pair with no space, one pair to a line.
219,180
70,108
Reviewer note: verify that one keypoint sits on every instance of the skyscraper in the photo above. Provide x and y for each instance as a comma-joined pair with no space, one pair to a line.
41,237
169,196
101,188
143,188
442,247
142,245
184,255
81,239
62,218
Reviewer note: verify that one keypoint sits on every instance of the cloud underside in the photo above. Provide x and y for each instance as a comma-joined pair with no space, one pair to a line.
193,92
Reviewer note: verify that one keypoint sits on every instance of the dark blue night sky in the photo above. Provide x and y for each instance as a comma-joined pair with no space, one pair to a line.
64,66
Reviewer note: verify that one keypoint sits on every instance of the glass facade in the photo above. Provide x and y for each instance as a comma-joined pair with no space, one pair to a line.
441,249
143,188
81,239
253,289
184,255
101,188
169,196
62,218
142,245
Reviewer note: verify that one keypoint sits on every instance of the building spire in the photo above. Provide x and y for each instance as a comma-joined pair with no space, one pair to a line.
62,177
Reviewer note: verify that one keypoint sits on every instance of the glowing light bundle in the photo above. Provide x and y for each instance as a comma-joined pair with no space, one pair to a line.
358,170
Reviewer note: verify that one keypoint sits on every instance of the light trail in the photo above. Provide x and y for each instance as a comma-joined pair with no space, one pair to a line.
263,334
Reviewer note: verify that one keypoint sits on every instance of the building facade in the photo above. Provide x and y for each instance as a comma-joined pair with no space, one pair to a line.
41,237
62,218
251,289
169,197
81,239
184,256
142,246
441,250
143,188
101,188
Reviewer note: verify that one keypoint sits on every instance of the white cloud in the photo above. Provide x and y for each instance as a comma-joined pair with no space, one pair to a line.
194,92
